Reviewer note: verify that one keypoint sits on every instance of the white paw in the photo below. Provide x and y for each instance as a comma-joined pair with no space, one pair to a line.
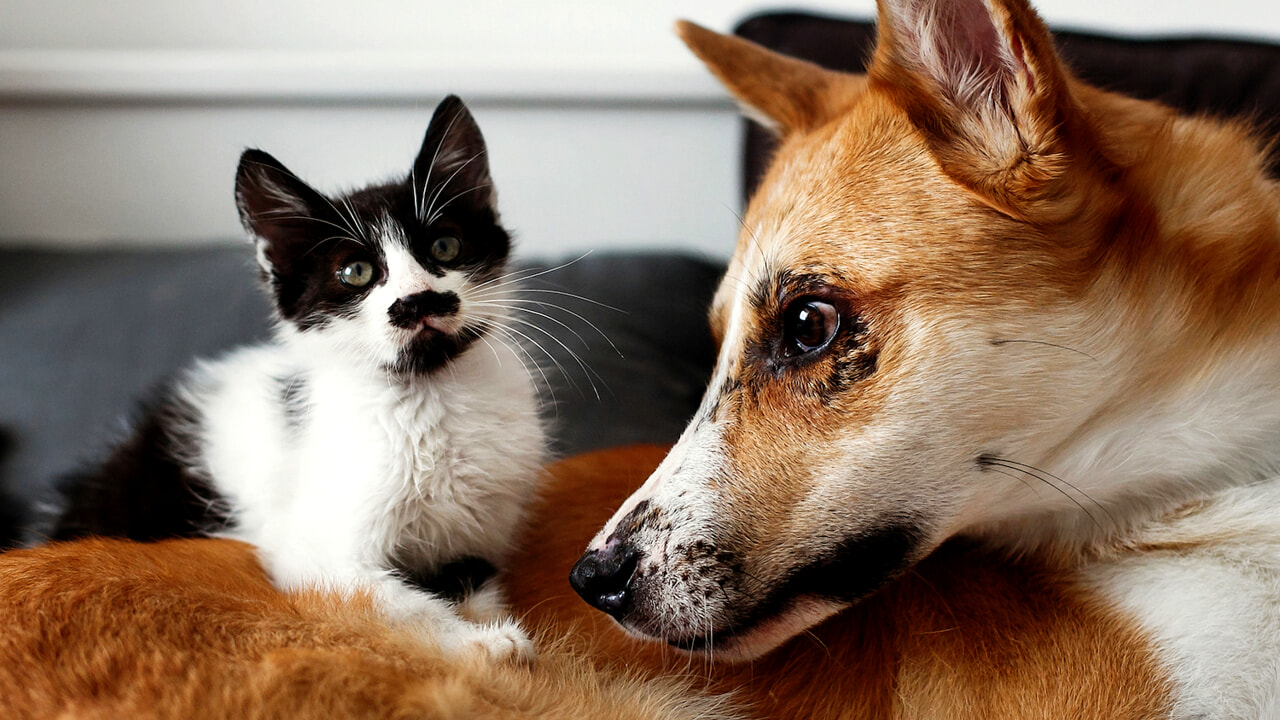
483,605
501,641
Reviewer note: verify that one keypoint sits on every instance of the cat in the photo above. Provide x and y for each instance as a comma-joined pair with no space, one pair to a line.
389,437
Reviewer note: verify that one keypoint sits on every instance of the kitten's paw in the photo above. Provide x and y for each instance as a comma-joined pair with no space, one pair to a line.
484,605
501,641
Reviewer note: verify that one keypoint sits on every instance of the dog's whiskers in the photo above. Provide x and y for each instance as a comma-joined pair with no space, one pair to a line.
998,342
1044,476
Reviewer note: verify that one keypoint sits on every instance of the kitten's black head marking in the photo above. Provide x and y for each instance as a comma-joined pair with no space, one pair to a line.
452,195
442,211
304,240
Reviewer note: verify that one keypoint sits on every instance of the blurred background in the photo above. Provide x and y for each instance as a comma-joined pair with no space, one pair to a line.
121,122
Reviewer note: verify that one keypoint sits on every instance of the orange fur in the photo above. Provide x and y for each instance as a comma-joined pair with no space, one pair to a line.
193,628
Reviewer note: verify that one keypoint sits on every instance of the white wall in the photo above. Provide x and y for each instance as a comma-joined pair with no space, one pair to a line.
121,121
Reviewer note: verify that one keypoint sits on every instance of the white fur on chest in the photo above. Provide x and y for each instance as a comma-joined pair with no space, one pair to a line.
368,467
1206,586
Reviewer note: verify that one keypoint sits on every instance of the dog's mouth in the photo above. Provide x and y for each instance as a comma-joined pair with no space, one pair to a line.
723,609
748,642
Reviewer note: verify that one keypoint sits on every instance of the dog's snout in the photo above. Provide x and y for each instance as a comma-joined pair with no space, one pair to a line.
407,312
603,577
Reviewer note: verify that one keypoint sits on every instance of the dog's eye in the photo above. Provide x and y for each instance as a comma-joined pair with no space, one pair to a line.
445,248
808,325
357,274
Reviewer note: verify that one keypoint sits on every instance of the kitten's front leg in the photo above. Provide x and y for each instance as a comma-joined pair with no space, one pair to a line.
501,639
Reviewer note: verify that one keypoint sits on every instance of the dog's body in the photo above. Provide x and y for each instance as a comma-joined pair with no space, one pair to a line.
975,298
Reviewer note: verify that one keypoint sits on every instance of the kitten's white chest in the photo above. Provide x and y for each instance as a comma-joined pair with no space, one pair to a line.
363,469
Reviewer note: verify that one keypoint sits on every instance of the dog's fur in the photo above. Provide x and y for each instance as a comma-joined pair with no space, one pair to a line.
976,298
195,629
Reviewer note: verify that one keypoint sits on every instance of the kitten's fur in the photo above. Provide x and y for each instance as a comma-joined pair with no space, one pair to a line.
387,432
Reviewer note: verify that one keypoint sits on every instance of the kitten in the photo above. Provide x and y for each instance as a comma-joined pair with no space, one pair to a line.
387,437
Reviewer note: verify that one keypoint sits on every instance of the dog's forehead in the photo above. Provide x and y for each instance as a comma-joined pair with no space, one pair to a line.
862,194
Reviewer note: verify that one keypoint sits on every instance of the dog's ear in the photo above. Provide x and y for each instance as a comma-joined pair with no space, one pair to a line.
784,94
981,78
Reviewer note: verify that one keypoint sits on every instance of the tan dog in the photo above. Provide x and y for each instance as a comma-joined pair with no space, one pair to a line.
976,298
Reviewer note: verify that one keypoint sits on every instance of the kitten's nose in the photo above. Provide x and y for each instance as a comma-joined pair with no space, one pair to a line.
603,577
410,311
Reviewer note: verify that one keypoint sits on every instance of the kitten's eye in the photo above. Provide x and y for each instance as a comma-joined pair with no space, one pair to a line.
356,274
808,325
445,248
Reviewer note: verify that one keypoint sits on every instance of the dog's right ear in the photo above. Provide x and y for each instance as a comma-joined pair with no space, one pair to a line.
982,80
782,93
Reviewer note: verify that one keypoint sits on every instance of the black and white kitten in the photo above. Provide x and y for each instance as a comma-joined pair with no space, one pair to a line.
389,434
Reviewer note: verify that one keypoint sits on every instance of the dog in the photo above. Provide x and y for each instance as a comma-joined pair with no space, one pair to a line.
976,300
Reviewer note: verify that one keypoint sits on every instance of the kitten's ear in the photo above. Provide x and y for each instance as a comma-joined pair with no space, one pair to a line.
452,168
275,206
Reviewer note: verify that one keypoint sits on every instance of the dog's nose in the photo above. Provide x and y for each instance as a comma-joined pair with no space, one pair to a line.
603,577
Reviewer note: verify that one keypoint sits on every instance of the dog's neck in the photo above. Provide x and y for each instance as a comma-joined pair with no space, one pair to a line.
1182,397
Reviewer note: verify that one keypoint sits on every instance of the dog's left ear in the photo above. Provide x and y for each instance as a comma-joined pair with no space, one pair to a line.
781,93
983,82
